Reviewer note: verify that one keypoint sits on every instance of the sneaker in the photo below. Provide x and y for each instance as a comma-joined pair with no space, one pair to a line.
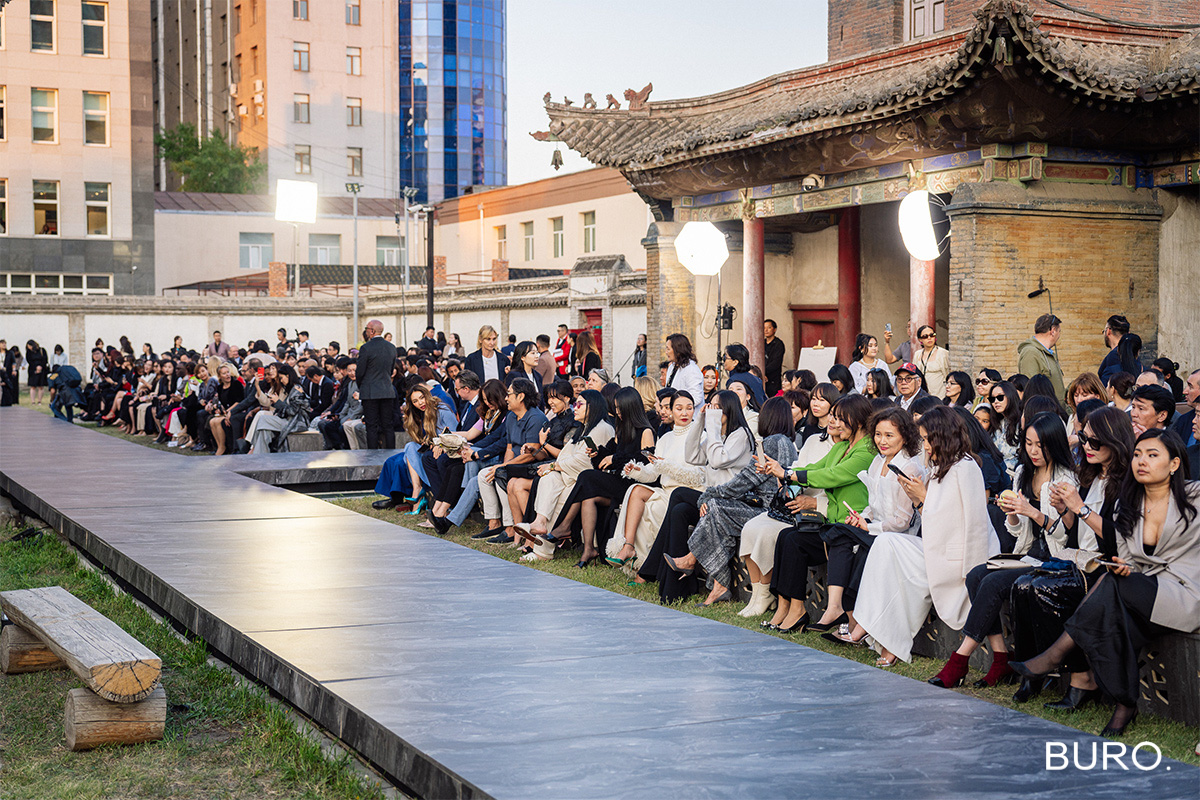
501,539
172,443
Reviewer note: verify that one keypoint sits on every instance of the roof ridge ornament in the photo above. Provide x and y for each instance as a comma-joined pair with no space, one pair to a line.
638,100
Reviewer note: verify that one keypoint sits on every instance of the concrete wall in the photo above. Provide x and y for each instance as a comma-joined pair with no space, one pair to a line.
1179,294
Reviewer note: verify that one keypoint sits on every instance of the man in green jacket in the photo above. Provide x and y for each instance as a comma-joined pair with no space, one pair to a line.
1035,356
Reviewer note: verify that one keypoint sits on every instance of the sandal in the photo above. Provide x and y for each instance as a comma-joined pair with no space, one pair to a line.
884,663
620,562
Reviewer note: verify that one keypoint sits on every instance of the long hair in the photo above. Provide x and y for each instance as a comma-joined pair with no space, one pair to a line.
630,414
731,411
681,345
882,380
751,400
1115,431
1133,493
1012,412
492,406
854,411
597,410
740,355
861,343
585,343
1037,405
981,442
648,388
518,354
776,417
420,425
947,437
841,374
829,394
1055,449
1088,382
1128,350
966,394
1040,385
903,422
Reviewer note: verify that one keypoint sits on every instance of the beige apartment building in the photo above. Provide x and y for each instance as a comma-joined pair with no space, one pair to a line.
76,148
542,225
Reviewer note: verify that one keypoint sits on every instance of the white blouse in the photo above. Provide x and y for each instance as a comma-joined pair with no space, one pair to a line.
889,507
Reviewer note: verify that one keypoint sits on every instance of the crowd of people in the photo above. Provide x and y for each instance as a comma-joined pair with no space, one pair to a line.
916,485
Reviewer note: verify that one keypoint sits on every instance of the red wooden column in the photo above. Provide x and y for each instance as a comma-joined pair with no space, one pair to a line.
920,295
849,284
753,289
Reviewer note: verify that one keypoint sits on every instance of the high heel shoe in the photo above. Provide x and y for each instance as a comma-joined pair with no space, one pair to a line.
619,562
418,504
724,597
583,562
1074,699
998,673
671,563
952,674
826,627
799,627
1031,688
1119,730
838,639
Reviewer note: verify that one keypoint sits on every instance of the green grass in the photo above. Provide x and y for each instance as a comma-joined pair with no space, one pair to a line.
224,738
1176,740
144,441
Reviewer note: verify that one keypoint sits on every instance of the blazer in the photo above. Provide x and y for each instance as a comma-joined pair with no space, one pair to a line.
1175,563
319,394
1193,454
474,363
376,359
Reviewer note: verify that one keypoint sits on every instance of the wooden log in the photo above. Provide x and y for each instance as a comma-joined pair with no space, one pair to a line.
92,721
21,651
112,663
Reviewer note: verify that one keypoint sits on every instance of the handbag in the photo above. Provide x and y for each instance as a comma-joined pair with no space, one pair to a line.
803,520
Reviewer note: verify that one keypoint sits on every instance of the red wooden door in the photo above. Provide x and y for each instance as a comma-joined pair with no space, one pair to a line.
813,324
594,321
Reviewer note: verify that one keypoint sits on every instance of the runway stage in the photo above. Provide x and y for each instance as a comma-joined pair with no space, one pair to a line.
464,675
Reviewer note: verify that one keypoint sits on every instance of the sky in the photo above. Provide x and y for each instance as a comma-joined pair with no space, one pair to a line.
687,48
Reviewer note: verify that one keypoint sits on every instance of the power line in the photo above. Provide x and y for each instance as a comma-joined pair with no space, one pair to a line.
1123,22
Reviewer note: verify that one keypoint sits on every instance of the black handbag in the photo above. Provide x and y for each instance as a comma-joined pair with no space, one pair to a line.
801,520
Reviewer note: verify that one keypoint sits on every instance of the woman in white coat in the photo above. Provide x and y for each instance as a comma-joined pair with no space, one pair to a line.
684,374
905,575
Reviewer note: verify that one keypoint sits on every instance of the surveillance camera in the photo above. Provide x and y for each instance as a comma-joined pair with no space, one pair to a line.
812,182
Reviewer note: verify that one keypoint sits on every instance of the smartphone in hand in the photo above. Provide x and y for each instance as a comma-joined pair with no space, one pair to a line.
899,472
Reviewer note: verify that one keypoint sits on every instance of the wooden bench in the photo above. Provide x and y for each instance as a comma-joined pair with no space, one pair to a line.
53,629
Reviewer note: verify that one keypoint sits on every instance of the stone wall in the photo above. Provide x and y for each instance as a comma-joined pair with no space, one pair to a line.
1095,247
1179,280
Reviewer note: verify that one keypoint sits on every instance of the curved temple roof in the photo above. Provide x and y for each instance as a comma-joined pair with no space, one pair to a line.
1118,65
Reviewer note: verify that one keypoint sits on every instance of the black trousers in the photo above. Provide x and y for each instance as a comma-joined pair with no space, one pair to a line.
333,434
845,564
796,551
1111,627
449,478
683,511
988,589
377,417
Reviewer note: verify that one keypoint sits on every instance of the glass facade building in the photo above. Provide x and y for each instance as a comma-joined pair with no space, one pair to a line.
452,93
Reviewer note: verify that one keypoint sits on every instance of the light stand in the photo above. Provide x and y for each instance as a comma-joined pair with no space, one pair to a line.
1044,290
354,189
702,249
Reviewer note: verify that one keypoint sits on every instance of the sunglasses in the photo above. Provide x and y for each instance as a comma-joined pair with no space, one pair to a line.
927,336
997,398
982,381
1090,441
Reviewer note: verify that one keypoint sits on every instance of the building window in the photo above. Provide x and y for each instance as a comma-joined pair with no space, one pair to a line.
303,159
352,12
253,11
255,250
1,28
299,9
300,108
45,208
354,162
354,61
95,118
44,104
589,232
54,283
556,236
95,197
254,60
502,242
3,207
354,112
923,18
299,56
41,25
3,97
387,251
237,20
324,248
527,227
95,29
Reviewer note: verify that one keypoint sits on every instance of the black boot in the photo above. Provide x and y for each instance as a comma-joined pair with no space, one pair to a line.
1032,687
1074,699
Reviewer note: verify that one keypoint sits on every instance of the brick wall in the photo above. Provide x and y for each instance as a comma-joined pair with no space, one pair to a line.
856,26
439,271
1096,248
670,291
499,270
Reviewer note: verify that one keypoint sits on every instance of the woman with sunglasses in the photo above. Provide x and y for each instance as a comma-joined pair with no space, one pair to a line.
1007,403
984,381
933,361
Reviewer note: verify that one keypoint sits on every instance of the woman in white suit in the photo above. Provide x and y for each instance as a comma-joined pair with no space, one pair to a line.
906,574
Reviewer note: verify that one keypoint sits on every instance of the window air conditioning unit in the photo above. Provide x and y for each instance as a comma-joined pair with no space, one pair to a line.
243,111
233,90
259,110
258,98
258,86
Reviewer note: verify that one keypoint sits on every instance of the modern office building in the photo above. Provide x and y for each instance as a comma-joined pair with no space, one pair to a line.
452,92
76,148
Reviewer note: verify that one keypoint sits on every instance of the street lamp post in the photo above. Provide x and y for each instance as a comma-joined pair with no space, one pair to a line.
409,192
354,189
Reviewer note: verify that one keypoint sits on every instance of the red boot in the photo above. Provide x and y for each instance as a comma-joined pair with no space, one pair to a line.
952,674
999,672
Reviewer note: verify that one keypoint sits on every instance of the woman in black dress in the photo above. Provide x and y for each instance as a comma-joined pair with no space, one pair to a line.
1153,585
39,367
603,487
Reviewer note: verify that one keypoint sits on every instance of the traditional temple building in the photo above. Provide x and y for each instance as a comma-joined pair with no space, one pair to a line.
1065,149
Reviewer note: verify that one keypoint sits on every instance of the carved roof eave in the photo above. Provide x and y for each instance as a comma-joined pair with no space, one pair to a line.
1060,58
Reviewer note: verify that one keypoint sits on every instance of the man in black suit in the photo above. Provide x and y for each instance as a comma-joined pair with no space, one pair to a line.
376,360
319,390
1193,451
1184,422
